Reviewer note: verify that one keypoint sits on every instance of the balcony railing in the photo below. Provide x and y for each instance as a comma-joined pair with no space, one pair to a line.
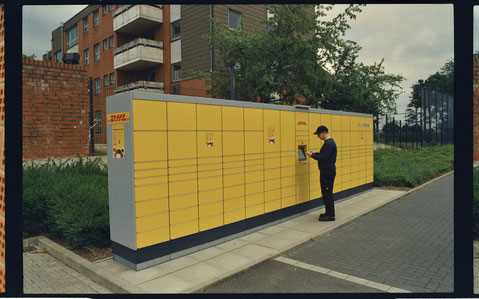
147,86
135,19
139,54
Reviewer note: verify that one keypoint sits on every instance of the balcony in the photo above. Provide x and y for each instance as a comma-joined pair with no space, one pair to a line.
147,86
139,54
136,19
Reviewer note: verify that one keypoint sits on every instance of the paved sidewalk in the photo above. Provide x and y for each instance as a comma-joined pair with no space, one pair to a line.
192,272
476,267
195,271
44,274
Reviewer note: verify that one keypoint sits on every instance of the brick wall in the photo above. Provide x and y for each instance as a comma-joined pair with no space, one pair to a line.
475,120
55,109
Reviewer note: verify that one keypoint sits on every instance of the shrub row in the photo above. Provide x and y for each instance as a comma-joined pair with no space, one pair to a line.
411,167
69,200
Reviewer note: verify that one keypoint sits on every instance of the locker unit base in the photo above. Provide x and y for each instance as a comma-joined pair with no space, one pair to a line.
159,253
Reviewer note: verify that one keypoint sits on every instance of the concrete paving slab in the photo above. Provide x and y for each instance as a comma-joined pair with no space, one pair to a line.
201,273
276,242
231,245
230,261
273,230
112,265
253,237
166,284
139,277
208,253
255,251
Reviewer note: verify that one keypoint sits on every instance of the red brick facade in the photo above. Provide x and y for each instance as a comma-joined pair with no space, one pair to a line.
55,108
475,120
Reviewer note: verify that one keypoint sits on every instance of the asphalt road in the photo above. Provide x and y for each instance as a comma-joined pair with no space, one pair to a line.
407,244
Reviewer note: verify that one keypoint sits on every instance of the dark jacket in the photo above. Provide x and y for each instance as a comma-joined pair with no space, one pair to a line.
327,156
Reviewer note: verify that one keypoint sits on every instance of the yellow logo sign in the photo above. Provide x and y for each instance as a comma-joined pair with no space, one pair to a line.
115,118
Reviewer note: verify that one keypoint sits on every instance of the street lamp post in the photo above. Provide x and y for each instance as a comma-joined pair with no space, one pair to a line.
231,65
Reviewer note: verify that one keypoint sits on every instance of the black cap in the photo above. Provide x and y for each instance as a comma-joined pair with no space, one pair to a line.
320,130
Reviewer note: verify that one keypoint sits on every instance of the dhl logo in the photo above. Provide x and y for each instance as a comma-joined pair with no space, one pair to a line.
122,117
301,123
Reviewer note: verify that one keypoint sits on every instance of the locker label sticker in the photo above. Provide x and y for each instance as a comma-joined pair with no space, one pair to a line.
271,138
118,141
115,118
365,125
209,140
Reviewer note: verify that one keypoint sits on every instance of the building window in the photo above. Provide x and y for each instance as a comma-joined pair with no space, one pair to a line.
98,121
58,56
105,44
105,9
112,78
175,30
112,42
176,71
111,7
86,56
85,24
234,19
97,86
96,18
72,36
105,80
96,48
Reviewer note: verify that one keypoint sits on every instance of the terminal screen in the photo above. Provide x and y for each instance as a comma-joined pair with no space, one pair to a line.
301,154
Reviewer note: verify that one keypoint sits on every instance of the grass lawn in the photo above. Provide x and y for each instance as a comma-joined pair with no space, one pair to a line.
410,168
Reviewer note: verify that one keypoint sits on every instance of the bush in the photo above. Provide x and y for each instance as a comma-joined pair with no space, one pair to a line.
409,168
475,207
68,200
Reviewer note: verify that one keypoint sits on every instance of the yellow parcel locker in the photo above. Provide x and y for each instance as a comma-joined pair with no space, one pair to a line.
150,146
232,118
181,116
208,117
253,119
149,115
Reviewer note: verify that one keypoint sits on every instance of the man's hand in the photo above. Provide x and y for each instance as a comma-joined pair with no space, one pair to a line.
310,153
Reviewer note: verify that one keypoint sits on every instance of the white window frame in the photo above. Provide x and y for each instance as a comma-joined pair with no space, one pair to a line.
97,54
85,24
173,38
229,18
105,9
111,41
105,80
72,36
112,78
96,21
105,44
97,86
110,7
86,56
176,75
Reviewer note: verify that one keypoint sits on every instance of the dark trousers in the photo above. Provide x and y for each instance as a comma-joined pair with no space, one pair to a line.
327,182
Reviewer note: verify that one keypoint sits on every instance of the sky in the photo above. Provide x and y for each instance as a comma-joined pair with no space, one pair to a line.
415,40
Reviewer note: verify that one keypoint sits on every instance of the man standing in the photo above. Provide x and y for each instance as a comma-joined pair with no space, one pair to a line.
327,170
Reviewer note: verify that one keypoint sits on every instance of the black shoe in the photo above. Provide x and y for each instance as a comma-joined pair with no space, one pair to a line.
322,215
326,218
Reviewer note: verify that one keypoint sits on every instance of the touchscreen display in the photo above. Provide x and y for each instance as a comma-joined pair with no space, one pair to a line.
301,154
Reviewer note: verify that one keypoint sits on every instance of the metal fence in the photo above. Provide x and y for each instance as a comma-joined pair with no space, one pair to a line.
430,124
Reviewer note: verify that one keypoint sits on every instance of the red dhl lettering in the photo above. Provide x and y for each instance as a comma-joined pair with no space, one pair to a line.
118,117
302,123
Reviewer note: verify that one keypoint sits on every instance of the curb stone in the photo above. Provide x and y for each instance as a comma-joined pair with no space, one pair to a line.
83,266
119,285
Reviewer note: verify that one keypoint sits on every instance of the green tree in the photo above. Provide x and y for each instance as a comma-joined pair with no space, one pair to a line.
33,56
441,81
283,60
301,56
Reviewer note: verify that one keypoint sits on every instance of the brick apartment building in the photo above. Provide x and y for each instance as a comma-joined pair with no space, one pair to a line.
146,47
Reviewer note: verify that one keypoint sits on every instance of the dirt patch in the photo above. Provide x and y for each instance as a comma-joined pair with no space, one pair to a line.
90,253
